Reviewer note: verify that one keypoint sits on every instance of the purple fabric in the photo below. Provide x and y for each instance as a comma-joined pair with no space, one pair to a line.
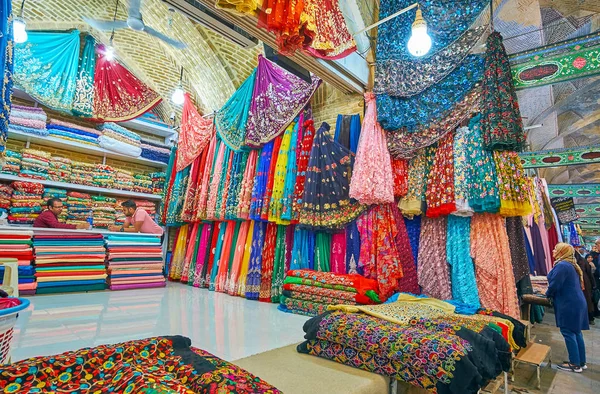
138,286
539,255
278,97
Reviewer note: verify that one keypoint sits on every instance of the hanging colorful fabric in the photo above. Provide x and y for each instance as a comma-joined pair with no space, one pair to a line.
242,8
283,18
483,181
400,175
245,198
283,160
277,99
6,67
331,40
347,131
458,253
372,179
432,104
418,171
501,122
194,134
303,157
83,101
231,119
409,283
462,172
512,181
118,94
440,180
326,201
432,268
46,67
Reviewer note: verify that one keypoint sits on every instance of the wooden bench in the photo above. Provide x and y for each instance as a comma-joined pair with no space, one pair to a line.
534,354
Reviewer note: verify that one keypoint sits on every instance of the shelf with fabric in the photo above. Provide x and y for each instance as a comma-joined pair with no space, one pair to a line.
149,127
83,188
81,148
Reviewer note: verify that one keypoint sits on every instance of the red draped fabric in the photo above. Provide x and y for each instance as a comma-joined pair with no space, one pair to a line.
118,94
194,136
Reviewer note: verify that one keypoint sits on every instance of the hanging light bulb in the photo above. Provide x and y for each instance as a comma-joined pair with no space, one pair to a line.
20,26
109,51
178,96
420,42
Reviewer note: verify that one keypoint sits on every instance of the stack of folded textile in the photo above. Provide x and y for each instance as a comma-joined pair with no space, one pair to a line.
158,182
134,261
51,192
309,293
5,197
148,206
119,139
142,183
15,246
12,163
104,176
79,206
60,169
156,151
539,284
82,173
69,262
73,132
26,202
104,211
124,180
34,164
28,120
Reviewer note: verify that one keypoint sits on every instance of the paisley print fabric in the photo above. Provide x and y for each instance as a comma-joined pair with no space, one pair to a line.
301,307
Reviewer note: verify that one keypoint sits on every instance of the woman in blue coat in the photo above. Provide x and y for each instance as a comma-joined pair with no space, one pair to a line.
565,287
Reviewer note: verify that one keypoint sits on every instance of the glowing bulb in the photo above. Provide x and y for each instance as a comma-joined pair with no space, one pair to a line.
19,30
420,42
178,96
109,53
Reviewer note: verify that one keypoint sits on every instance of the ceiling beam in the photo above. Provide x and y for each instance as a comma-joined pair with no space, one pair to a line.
575,190
561,157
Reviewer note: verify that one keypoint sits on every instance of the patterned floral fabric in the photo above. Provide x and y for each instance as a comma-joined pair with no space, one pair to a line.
277,99
418,170
400,176
321,299
83,100
458,252
463,169
501,122
357,282
342,296
372,180
6,67
434,277
194,135
148,365
516,243
301,307
512,182
482,180
440,180
331,39
326,201
303,158
433,103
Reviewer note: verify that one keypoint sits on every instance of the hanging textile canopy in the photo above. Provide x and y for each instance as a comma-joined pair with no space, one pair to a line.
231,119
118,94
330,37
433,103
6,67
83,102
195,134
277,99
46,67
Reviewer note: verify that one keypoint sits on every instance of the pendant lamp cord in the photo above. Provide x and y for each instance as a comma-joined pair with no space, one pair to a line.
492,14
22,8
181,76
112,34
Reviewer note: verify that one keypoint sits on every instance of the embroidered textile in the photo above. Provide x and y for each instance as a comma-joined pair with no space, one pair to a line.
277,99
284,19
326,201
483,182
83,100
118,94
418,170
286,158
45,66
400,176
440,180
512,182
6,67
372,180
409,283
458,253
194,135
433,103
331,40
301,307
463,168
432,268
357,282
516,243
303,158
231,120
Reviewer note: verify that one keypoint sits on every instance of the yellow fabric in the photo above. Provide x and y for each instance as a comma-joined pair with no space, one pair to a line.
239,7
241,286
398,312
66,278
446,307
179,254
276,204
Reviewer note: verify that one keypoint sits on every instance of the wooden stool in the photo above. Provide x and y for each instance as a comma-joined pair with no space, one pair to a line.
534,354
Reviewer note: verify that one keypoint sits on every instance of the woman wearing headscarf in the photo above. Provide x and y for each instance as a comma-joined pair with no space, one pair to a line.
565,285
588,283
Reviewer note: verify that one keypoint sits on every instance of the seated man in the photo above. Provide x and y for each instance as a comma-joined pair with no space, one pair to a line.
137,221
49,218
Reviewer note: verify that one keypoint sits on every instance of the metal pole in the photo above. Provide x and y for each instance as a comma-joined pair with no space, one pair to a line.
402,11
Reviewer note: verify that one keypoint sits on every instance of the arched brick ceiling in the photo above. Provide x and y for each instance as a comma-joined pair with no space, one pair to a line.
214,67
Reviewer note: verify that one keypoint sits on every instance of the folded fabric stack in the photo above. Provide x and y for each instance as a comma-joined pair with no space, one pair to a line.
309,293
5,195
103,176
28,120
25,202
79,206
51,192
134,261
34,164
69,262
142,183
421,341
12,163
158,182
72,132
82,173
119,139
60,169
148,206
104,211
124,180
539,284
156,151
15,246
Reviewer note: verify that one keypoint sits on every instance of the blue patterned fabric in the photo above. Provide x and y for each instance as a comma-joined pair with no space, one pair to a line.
458,254
353,249
303,251
83,102
430,105
6,67
260,180
254,269
72,130
413,228
28,130
230,121
46,67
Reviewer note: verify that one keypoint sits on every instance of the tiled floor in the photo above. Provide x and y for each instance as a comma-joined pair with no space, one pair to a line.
229,327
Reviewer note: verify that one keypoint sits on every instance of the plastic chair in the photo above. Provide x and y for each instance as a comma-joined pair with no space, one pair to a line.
10,282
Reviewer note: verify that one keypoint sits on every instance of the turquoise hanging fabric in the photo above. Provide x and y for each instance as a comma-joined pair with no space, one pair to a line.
458,253
83,102
6,67
177,198
46,68
231,119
